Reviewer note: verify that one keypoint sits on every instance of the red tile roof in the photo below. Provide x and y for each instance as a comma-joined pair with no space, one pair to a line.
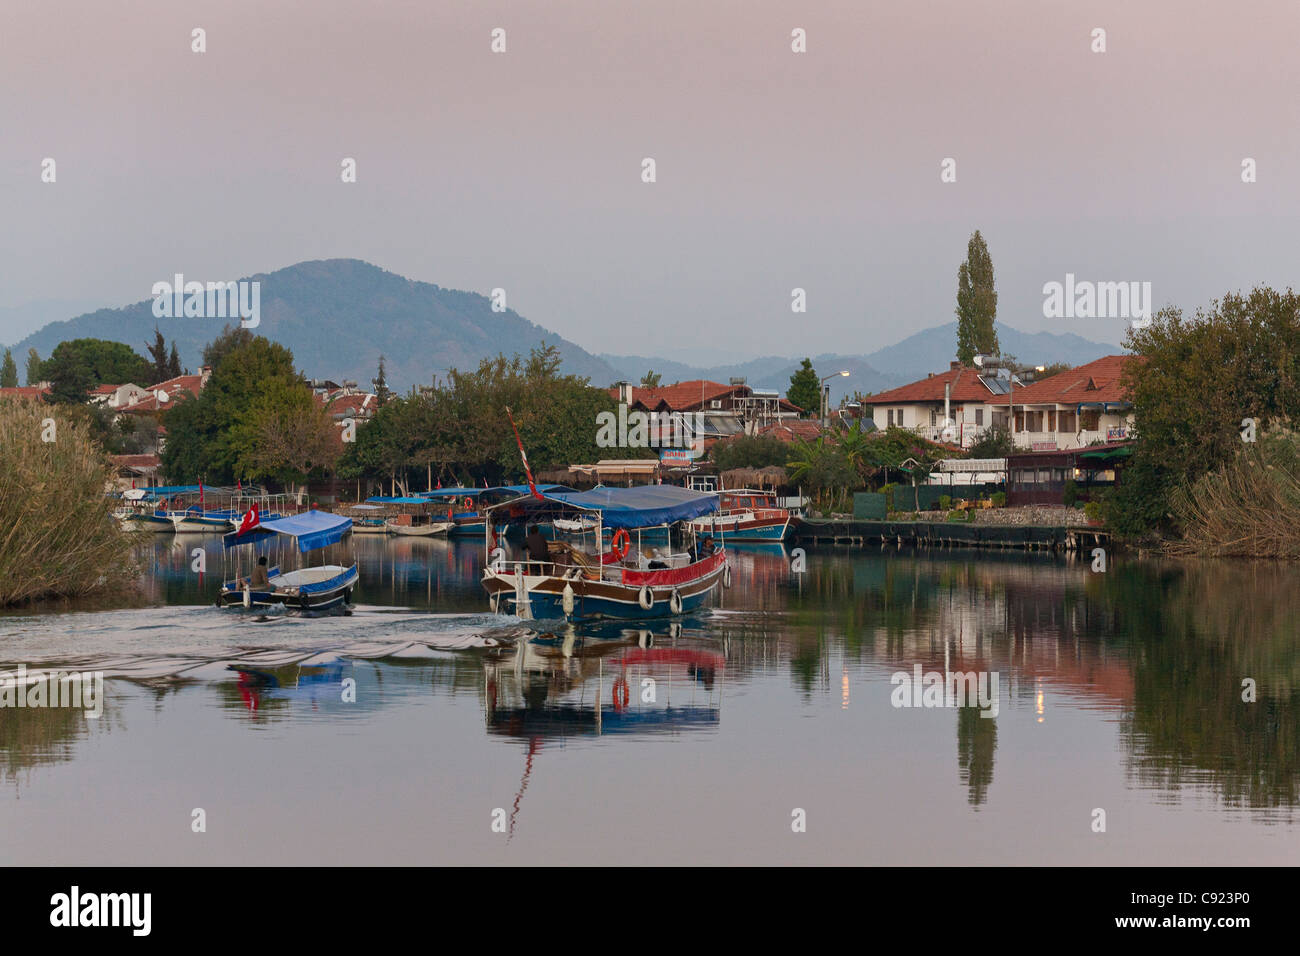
790,430
966,387
680,395
191,384
104,389
29,392
1095,382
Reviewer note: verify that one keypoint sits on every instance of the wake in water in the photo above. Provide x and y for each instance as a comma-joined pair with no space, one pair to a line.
201,643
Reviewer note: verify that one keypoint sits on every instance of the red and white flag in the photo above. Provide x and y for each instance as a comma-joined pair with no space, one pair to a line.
248,522
527,471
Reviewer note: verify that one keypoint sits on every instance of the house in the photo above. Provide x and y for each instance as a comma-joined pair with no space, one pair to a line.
706,411
973,399
157,397
1079,407
117,396
803,429
1039,477
134,471
31,393
1072,409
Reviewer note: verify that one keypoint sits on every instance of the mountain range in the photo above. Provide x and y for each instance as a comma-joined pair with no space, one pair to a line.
339,315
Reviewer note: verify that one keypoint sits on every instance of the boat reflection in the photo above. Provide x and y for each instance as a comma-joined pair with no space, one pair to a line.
600,682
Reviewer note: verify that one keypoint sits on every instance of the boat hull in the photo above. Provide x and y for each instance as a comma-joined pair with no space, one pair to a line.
755,529
323,595
154,524
620,600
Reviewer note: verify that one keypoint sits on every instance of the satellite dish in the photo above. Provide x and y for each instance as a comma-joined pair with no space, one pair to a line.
162,396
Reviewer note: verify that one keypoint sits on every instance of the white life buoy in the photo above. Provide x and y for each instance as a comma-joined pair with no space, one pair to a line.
675,602
566,599
646,598
726,575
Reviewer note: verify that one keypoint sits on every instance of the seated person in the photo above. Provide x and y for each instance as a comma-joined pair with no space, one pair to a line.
536,545
258,581
702,549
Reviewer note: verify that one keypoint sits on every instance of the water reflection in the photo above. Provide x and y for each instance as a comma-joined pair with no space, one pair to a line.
1149,660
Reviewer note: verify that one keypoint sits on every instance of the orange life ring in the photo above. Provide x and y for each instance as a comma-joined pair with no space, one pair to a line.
622,536
469,502
621,682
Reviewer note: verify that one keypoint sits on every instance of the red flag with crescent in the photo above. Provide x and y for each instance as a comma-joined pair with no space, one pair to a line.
248,522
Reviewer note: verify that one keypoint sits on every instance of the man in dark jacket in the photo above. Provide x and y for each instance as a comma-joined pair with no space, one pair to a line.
536,546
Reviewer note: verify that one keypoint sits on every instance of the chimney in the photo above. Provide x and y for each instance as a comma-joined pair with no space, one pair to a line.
625,393
953,366
205,373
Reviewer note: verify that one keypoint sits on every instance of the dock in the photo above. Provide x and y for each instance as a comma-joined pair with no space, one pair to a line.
948,534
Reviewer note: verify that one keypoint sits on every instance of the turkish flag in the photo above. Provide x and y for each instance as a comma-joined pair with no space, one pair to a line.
248,522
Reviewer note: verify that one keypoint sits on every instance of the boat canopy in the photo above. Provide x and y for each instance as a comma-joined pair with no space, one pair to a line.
643,506
310,530
452,493
399,500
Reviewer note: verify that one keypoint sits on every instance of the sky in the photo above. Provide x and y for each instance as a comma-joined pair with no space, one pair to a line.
775,170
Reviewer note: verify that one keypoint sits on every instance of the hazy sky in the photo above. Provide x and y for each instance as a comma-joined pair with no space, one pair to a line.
522,170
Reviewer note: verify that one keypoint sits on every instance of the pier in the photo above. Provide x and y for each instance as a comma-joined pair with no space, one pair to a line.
948,534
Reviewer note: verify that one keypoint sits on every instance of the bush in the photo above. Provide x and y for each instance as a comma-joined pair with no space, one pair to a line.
61,538
888,491
945,502
959,515
1093,511
1071,494
999,499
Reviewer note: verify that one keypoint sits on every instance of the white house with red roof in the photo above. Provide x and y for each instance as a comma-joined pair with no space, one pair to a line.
159,397
1068,410
118,396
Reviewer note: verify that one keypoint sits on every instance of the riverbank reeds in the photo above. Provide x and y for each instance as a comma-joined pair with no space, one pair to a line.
1250,507
58,536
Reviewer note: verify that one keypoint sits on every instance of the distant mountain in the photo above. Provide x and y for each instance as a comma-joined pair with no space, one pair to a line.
913,358
19,320
338,316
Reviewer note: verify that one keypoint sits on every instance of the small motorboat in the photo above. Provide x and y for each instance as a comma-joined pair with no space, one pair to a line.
315,588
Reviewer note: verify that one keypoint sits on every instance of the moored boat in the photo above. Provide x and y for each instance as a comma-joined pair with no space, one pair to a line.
746,515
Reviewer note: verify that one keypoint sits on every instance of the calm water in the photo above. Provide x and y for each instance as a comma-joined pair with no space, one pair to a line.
679,743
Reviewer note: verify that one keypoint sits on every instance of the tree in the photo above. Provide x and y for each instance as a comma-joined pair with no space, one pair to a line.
77,366
174,363
8,371
287,436
158,352
650,379
995,442
209,437
805,389
380,382
33,367
231,339
1196,382
977,302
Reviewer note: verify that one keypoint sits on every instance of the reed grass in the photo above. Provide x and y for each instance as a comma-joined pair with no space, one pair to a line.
1250,507
58,536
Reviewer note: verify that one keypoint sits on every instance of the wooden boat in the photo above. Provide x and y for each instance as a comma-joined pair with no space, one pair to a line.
154,522
575,584
745,515
317,588
418,529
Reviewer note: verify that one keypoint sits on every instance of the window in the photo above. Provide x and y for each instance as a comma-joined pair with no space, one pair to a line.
979,416
900,417
934,417
891,417
1065,422
1089,421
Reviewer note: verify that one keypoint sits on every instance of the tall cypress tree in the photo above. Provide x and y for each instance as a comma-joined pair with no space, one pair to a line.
9,371
977,302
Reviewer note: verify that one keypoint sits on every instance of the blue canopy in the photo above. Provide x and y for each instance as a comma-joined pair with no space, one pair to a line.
523,489
452,492
311,530
399,500
643,506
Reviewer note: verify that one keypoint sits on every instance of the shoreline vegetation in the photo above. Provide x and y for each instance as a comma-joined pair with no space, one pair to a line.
1214,470
58,537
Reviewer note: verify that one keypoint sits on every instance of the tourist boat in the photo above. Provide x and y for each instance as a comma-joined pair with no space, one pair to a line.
582,583
314,588
368,519
466,523
746,515
152,522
